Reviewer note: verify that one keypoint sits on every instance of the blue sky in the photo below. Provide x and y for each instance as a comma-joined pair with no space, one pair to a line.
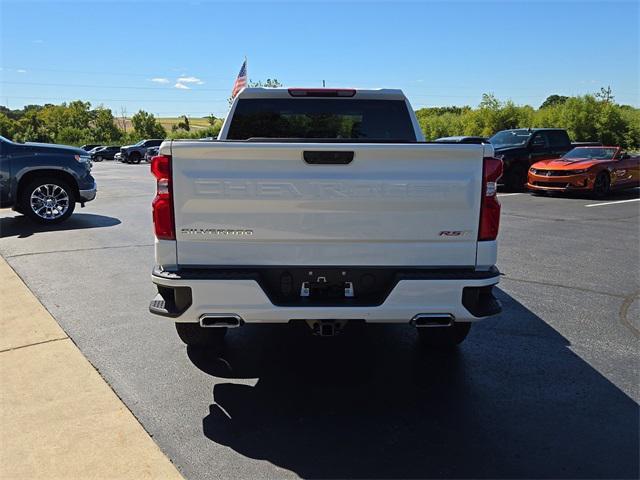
134,54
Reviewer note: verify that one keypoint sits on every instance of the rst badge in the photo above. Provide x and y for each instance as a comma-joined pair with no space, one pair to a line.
453,233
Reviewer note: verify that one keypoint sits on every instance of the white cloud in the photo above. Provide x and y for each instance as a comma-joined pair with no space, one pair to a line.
160,80
182,86
185,79
21,70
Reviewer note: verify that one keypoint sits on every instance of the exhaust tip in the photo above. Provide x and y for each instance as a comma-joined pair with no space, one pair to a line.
433,320
214,320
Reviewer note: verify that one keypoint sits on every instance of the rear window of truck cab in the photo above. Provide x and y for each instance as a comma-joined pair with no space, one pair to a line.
324,118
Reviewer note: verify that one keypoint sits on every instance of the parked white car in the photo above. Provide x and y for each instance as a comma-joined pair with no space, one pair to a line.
325,206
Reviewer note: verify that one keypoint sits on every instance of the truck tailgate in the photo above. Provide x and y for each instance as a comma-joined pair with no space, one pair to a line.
259,204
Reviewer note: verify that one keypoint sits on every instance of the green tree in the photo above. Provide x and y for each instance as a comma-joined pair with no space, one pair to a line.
489,102
435,125
31,128
184,124
579,115
69,135
268,83
210,131
610,125
632,119
553,100
104,127
145,125
6,126
605,95
493,116
79,114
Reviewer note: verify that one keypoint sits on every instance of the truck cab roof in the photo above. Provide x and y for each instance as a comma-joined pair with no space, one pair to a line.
318,113
313,92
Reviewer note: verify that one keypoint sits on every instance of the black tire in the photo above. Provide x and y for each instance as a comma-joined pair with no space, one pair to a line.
444,337
98,158
601,185
193,335
42,200
135,157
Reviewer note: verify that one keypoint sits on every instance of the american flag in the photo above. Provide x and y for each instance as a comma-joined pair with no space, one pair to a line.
241,81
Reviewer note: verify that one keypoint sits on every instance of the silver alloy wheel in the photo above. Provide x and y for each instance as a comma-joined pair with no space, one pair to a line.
49,201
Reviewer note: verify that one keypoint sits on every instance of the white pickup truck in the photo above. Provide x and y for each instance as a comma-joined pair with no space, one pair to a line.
325,206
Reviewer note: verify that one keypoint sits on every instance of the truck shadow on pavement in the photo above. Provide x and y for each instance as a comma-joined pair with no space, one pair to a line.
613,196
513,401
21,227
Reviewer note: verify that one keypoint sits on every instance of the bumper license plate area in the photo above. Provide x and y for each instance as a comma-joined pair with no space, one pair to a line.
328,286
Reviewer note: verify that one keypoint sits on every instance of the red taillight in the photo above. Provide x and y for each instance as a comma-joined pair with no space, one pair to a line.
489,205
162,204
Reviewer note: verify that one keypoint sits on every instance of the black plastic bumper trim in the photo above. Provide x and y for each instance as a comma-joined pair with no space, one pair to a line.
480,301
253,273
281,284
171,301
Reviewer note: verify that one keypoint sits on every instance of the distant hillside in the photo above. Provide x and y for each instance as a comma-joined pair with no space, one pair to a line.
168,122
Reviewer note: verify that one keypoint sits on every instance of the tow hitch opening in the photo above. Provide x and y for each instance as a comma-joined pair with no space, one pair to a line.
326,328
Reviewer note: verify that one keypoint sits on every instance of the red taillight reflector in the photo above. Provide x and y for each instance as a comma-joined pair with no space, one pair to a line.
321,92
163,217
161,166
162,205
489,204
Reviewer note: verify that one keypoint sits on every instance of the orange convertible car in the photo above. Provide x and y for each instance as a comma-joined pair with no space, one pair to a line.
597,170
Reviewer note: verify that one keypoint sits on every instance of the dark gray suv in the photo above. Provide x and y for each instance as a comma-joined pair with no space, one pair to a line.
135,153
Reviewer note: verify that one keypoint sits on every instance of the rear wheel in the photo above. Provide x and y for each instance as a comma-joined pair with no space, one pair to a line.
601,185
444,337
135,157
47,200
193,335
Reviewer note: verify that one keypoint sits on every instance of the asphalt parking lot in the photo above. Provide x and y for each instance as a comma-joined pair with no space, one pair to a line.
548,389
